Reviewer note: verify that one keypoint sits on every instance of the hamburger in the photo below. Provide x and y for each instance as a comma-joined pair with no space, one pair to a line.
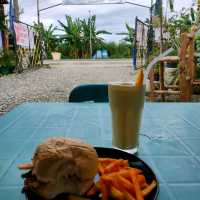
61,165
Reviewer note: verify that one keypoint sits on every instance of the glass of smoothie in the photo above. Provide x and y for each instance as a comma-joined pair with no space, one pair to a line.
126,104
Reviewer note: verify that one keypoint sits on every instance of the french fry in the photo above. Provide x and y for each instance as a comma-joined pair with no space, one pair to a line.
123,172
138,192
25,166
128,196
137,171
112,167
112,181
124,163
100,168
142,181
105,160
124,183
120,181
116,194
104,190
139,78
148,189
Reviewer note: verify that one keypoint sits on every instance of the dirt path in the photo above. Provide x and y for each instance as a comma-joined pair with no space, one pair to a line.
55,83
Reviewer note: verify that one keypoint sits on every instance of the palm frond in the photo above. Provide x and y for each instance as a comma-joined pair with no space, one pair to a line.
123,33
103,32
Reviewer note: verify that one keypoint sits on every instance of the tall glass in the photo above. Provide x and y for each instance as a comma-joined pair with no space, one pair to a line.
126,103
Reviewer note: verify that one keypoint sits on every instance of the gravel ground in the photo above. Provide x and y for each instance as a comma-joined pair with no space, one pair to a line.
55,83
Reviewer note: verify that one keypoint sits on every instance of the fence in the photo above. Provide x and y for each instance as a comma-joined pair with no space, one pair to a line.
27,46
141,44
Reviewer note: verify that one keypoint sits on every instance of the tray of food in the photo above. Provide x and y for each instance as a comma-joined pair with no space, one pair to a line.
64,169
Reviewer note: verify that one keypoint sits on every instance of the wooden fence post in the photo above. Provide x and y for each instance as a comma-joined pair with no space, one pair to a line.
185,65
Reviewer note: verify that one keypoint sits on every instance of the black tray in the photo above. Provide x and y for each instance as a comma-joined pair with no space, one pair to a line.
134,161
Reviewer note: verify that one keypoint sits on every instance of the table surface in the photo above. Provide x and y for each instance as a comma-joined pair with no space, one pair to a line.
172,147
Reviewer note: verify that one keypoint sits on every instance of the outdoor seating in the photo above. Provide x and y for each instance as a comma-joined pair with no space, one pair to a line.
187,70
90,92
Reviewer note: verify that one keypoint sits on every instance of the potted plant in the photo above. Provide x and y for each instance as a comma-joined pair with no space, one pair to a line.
55,49
56,55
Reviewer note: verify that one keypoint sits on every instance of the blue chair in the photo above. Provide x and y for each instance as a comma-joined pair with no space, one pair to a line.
90,92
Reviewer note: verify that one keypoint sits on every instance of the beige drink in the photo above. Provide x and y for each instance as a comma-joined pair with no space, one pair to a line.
126,103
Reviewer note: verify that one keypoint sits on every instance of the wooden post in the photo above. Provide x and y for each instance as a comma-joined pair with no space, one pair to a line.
191,58
184,68
152,85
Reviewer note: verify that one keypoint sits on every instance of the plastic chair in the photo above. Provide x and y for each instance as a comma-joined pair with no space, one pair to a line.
90,92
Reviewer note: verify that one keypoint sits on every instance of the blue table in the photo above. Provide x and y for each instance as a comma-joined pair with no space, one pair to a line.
172,147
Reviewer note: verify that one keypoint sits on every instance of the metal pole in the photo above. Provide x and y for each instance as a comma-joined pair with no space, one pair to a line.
38,12
107,3
16,9
136,4
90,34
135,46
53,6
127,2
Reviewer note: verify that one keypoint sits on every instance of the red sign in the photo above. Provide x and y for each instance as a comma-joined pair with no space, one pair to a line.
21,32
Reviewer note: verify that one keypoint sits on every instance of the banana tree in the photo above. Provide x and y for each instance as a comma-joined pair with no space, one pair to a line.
77,35
89,27
72,36
47,36
129,35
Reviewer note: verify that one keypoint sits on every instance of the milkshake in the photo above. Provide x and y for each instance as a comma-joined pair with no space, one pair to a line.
126,103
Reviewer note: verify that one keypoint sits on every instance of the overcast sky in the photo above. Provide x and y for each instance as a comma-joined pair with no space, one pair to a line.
109,17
